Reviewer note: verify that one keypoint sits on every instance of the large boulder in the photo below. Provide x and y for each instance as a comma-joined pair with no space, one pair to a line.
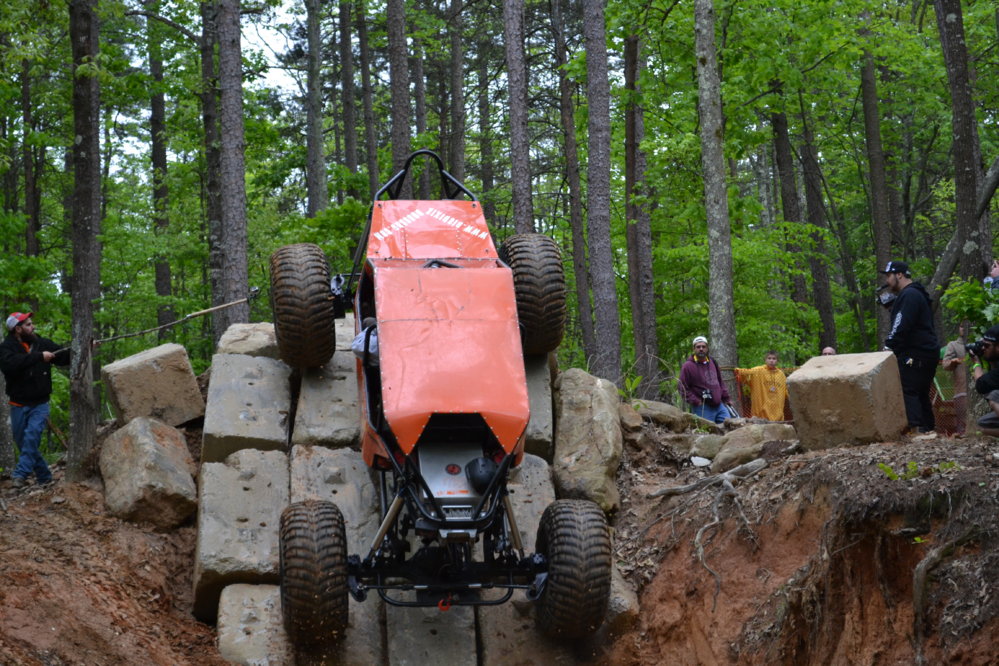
847,399
673,418
157,383
249,402
251,339
746,443
238,522
149,474
588,440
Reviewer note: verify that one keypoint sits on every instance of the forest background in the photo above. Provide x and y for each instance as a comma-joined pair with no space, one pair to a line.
741,169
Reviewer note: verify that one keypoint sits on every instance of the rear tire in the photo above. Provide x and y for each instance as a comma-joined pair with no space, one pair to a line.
539,282
574,537
302,304
313,574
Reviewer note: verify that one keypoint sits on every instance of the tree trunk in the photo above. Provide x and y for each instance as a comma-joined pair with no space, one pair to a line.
210,120
370,145
31,192
721,315
234,278
879,185
567,115
520,148
161,191
420,106
640,281
485,135
317,192
788,192
456,161
347,86
607,361
8,460
971,241
86,284
395,17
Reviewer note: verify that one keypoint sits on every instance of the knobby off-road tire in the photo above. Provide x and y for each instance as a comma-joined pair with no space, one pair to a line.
314,574
574,537
302,305
539,281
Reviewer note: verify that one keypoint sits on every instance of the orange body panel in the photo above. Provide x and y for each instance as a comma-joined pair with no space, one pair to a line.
448,337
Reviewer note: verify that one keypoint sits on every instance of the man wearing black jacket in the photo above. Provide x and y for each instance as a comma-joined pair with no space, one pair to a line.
987,383
26,361
912,338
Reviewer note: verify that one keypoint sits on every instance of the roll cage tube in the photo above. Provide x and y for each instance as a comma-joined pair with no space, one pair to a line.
451,187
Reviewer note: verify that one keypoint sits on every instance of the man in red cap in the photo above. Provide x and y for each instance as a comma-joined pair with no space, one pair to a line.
26,361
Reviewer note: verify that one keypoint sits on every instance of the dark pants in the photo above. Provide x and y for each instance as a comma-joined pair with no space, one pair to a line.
917,378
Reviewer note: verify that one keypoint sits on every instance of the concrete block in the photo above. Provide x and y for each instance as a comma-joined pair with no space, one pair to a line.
157,383
238,522
250,629
507,633
249,402
540,436
340,476
420,636
250,339
327,413
847,399
148,474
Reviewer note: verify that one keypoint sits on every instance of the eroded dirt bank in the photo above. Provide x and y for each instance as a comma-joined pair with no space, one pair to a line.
822,559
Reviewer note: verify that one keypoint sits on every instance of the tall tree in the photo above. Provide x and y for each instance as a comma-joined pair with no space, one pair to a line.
520,143
721,313
784,156
212,188
606,362
456,161
315,160
84,43
367,104
234,277
395,16
485,132
639,235
161,190
347,85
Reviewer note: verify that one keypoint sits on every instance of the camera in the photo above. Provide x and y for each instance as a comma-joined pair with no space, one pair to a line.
976,348
705,394
885,298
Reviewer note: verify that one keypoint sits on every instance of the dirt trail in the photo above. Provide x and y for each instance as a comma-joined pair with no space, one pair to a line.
822,569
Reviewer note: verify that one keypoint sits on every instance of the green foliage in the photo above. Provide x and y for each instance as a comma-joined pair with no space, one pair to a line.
913,470
968,300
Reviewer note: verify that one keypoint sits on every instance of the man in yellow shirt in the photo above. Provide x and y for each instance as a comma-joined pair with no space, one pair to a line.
767,387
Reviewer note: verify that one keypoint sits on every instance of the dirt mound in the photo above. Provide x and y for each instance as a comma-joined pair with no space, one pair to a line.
78,586
878,554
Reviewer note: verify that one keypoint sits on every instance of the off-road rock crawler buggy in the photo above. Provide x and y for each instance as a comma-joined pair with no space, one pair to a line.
444,409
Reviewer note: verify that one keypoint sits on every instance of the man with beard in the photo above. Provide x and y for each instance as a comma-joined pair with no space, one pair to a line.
26,361
914,343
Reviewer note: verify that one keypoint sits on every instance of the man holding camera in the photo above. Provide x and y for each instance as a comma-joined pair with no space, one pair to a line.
914,343
702,386
987,383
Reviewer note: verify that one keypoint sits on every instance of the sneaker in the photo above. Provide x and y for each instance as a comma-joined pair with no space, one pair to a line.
18,482
925,436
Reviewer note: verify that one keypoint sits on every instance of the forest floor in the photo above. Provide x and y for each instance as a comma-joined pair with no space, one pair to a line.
822,558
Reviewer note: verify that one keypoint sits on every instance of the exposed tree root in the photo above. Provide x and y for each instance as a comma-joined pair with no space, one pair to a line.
923,569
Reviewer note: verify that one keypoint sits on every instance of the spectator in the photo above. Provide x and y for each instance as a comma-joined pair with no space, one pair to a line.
828,351
987,383
914,343
992,279
26,361
954,355
767,387
702,386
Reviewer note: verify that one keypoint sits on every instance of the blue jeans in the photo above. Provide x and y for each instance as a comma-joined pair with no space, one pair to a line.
28,424
713,413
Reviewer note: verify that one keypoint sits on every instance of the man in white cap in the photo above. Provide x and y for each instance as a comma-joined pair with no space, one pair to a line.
701,385
26,361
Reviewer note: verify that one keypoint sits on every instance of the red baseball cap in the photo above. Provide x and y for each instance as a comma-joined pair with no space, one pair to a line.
16,318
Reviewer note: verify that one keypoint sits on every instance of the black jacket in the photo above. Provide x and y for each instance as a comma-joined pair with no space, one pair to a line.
28,377
988,382
912,334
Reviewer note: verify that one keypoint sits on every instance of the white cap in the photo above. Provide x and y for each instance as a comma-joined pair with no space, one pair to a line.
699,338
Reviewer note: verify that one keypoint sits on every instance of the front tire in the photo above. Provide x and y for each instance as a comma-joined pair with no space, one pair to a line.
314,590
575,539
539,282
302,304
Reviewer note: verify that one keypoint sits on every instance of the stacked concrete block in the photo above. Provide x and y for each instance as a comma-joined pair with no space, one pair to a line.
149,474
540,436
847,399
249,339
327,412
156,383
249,405
238,524
250,630
340,476
420,636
